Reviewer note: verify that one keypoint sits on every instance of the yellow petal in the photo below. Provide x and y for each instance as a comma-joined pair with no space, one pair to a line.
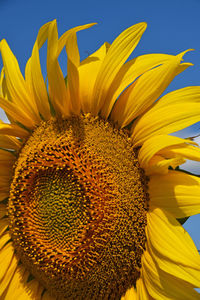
3,210
63,39
159,152
34,75
7,160
3,225
170,113
59,94
176,192
190,94
73,62
162,286
175,244
57,88
4,185
18,90
130,294
128,73
171,156
8,275
20,289
4,188
189,275
167,147
4,90
1,81
6,157
182,150
6,255
155,144
139,96
32,290
6,171
165,120
9,142
4,195
13,130
17,113
4,239
17,283
142,293
42,34
160,165
117,54
88,71
5,180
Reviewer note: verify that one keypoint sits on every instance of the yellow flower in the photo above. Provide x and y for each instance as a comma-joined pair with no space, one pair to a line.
90,191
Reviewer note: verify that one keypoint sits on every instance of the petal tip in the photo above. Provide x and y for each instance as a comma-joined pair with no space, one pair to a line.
144,25
2,42
184,52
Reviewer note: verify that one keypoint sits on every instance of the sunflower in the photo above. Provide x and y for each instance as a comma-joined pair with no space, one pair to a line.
91,191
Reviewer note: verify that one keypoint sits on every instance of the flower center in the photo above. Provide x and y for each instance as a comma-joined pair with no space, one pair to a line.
77,208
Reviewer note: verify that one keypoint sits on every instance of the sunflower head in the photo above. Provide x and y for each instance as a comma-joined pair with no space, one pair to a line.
80,159
77,219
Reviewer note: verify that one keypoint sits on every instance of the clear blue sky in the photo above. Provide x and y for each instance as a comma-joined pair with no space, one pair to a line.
173,26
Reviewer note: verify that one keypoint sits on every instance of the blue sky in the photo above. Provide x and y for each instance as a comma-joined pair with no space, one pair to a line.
173,26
